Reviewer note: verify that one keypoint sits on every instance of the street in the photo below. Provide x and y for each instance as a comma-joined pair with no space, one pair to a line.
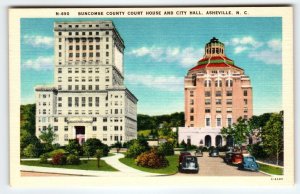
214,166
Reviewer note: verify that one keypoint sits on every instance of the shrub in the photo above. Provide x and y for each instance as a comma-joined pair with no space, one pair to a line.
59,159
204,149
44,158
223,149
183,144
136,149
31,151
73,159
74,147
211,148
166,149
191,147
152,159
54,152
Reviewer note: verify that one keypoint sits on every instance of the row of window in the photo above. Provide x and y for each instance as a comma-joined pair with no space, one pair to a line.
116,137
83,79
83,40
214,50
218,110
83,47
82,70
90,54
81,25
83,33
83,87
218,83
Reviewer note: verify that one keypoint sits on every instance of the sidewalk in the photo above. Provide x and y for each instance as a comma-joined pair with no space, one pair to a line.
124,171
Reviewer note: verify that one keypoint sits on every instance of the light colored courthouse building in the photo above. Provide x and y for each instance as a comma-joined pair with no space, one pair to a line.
88,98
217,93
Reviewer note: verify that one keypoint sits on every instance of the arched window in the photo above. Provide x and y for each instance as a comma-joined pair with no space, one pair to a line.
207,83
218,83
229,83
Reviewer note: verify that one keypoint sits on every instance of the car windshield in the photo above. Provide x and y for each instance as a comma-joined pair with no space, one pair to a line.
190,159
249,159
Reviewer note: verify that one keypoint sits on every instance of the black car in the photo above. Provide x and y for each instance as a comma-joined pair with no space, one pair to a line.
214,152
228,157
198,153
189,164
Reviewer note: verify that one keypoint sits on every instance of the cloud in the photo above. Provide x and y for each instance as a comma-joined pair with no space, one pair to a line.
39,41
163,83
240,49
245,43
40,63
270,55
186,57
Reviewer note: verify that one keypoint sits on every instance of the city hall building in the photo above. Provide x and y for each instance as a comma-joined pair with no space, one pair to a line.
217,93
88,98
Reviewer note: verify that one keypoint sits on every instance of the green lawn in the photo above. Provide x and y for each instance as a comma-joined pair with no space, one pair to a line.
171,169
271,169
90,165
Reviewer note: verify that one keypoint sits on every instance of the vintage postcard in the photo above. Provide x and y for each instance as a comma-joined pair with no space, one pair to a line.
180,96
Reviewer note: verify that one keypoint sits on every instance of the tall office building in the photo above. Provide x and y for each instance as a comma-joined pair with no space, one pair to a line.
217,93
88,98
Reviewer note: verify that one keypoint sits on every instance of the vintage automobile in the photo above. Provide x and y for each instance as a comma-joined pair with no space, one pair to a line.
182,154
237,158
214,152
228,157
189,164
249,163
198,153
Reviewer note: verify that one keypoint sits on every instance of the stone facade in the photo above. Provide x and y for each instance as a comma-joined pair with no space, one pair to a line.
88,99
217,93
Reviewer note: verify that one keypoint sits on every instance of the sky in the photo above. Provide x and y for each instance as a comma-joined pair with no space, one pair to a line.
160,51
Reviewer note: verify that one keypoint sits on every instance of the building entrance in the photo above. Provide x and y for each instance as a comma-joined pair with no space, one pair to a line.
80,134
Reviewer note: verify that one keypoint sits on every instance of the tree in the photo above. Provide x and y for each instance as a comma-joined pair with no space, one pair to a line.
92,144
31,151
99,154
27,118
272,135
48,136
239,131
74,147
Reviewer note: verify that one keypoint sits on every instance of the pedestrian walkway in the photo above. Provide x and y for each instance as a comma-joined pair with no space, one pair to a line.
124,170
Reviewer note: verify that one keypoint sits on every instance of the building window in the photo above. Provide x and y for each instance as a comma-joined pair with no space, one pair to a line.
207,122
59,70
69,87
219,123
207,83
105,119
69,79
107,78
229,93
245,110
218,110
90,87
104,128
59,79
218,83
69,101
107,54
191,118
192,110
97,101
218,93
116,128
207,110
55,128
245,101
218,101
106,70
66,138
207,93
97,47
83,101
207,101
66,128
76,101
229,83
228,101
245,93
191,93
191,101
229,122
97,87
55,119
59,105
70,47
107,39
94,128
90,101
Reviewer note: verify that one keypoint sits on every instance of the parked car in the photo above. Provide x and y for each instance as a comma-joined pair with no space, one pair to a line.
237,158
198,153
249,163
182,154
214,152
228,157
189,164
